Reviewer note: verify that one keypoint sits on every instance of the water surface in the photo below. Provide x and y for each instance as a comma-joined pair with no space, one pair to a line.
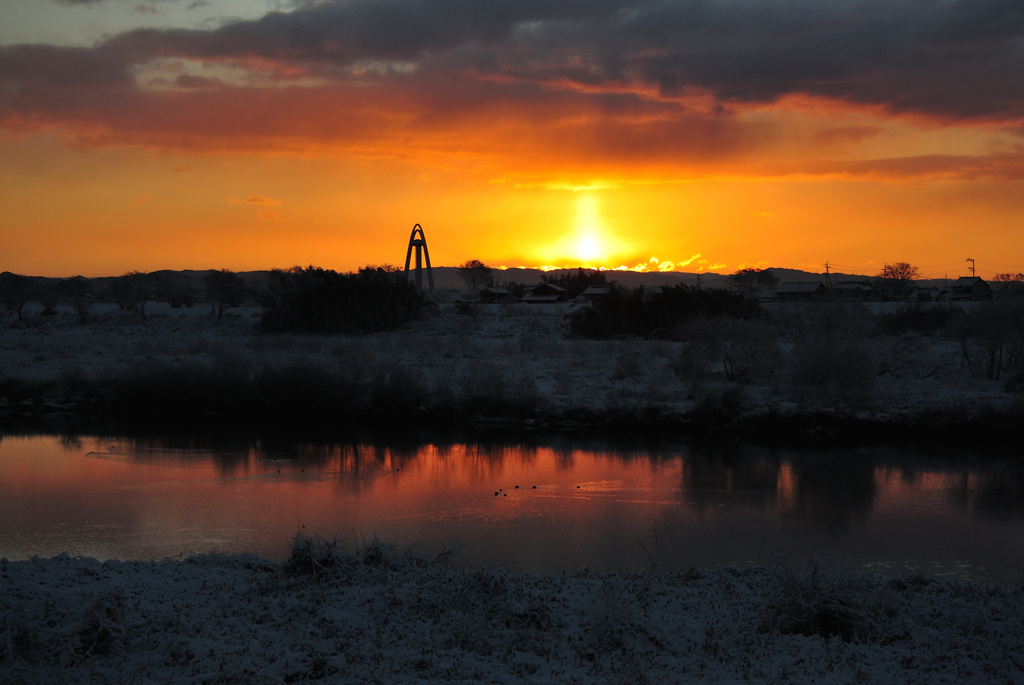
541,508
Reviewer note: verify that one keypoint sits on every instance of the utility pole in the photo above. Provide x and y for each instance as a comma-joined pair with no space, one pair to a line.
828,278
971,260
698,280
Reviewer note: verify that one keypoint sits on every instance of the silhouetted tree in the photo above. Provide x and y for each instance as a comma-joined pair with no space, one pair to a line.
897,279
575,282
385,268
78,293
46,295
476,274
632,312
517,289
173,293
162,290
17,291
224,288
131,292
1009,284
317,300
752,281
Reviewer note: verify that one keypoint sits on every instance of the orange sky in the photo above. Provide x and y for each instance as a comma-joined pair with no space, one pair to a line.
675,135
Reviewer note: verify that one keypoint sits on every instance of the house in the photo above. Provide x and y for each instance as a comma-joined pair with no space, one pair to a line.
800,291
851,291
494,295
969,288
593,293
545,293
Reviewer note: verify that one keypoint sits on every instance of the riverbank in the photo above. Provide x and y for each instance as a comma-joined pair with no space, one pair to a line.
504,367
388,616
381,615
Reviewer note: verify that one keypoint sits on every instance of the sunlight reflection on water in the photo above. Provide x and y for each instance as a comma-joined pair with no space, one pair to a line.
538,508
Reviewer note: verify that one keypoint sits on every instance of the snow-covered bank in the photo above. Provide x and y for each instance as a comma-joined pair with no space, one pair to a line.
385,617
510,365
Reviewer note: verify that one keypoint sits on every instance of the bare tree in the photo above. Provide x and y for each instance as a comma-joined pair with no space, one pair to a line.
1009,285
897,279
752,281
476,274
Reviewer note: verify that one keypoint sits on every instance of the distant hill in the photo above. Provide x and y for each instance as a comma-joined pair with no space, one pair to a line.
447,278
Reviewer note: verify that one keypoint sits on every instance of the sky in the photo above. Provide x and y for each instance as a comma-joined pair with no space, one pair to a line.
689,135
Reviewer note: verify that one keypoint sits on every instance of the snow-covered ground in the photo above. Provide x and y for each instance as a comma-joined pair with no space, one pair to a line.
811,358
380,616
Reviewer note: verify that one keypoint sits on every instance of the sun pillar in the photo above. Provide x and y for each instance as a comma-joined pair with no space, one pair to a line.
422,255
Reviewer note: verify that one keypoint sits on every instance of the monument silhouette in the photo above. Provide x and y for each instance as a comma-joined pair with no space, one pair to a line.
422,254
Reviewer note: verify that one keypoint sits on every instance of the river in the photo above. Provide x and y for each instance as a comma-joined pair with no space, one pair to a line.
559,505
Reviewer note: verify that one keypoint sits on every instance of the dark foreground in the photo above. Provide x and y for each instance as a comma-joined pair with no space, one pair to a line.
380,616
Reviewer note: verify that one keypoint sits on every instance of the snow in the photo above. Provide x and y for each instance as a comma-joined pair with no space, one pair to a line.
382,616
377,615
523,350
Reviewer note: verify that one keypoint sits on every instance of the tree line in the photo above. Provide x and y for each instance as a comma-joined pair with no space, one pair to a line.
316,300
300,299
131,292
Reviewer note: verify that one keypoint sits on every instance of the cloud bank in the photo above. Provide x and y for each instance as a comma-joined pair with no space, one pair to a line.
528,86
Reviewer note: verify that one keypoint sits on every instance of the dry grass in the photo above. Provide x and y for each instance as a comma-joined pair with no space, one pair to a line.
508,363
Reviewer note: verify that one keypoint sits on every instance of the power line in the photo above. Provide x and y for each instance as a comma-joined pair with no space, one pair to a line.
934,271
1007,267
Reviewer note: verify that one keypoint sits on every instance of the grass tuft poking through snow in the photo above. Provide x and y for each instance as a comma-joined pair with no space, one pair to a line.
816,597
378,614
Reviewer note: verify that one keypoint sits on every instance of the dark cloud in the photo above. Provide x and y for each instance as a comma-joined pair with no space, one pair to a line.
72,3
549,63
941,59
909,56
998,167
26,69
341,32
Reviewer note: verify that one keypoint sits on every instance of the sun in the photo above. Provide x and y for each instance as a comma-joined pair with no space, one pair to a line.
587,240
588,248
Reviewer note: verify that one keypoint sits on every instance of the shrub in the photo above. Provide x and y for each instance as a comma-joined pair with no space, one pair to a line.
104,629
750,351
316,300
314,556
631,312
396,391
834,369
991,337
816,598
484,387
919,318
20,638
